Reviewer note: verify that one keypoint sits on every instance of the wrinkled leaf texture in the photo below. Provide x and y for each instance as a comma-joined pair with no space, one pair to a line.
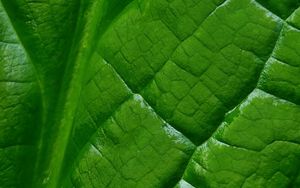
149,93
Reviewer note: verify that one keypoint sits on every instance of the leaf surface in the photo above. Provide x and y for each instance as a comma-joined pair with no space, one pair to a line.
159,93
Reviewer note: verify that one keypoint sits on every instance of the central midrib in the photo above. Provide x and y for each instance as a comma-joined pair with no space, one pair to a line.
71,90
91,18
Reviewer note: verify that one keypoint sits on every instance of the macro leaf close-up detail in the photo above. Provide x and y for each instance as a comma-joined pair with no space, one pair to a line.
149,93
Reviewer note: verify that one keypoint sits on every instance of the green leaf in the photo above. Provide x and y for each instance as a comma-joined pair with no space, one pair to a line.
149,93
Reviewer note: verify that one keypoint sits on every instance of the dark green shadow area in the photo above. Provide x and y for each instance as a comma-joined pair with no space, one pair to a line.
282,8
